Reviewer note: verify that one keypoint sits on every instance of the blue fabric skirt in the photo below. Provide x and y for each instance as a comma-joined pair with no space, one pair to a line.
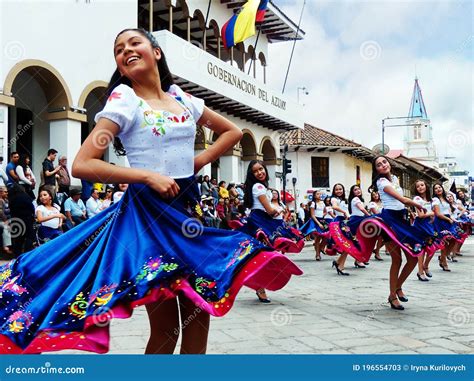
311,227
140,250
46,233
274,232
448,231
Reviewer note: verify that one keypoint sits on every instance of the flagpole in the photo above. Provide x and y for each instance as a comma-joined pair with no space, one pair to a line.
254,50
292,50
205,22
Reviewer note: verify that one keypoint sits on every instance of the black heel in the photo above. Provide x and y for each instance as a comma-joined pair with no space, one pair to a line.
358,265
444,267
401,298
262,300
421,278
339,272
399,307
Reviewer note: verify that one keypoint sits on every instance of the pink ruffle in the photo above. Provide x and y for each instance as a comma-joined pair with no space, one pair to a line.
268,270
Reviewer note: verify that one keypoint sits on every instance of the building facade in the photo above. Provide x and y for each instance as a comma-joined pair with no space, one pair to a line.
53,79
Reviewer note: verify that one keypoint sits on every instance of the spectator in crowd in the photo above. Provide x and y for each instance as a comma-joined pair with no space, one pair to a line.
22,219
75,209
221,213
223,192
26,178
64,180
206,186
119,190
240,192
301,215
93,204
107,201
50,172
232,191
11,169
4,222
49,216
215,191
209,211
3,174
235,209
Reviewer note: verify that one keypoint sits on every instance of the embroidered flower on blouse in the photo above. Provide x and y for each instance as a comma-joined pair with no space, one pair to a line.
114,95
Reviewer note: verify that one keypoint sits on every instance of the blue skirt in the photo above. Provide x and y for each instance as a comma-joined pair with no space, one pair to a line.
448,231
275,233
142,249
311,227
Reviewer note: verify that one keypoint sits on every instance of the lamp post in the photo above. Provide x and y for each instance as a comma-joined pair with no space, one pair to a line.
393,125
306,92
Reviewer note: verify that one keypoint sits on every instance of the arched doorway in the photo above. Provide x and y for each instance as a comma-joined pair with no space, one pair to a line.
249,151
41,117
270,159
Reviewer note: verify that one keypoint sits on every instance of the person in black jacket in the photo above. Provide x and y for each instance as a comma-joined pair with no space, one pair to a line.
22,221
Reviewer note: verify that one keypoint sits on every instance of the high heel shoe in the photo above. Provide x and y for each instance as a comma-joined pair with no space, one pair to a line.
358,265
451,258
339,272
444,267
422,278
263,300
378,257
399,307
428,273
401,298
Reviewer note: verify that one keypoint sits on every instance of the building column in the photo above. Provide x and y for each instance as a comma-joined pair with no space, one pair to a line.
229,169
4,132
65,137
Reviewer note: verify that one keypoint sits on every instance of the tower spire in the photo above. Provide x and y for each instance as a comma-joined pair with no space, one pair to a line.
417,106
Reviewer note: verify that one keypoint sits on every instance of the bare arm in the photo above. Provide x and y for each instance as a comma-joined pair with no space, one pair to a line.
437,212
360,206
268,207
40,218
404,200
229,136
88,165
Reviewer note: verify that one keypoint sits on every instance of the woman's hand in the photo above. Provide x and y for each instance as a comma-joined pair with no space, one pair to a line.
417,206
164,185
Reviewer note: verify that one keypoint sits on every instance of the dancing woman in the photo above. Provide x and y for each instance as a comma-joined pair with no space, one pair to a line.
316,225
375,207
146,249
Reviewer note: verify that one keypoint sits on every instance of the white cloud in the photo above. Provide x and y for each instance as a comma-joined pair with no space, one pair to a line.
350,93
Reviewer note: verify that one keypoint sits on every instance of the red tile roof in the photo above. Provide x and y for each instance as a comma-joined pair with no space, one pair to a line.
315,136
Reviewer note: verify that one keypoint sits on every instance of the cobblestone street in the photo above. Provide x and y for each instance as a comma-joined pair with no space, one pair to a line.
321,312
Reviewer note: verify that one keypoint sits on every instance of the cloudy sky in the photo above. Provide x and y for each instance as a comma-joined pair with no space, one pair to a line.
359,60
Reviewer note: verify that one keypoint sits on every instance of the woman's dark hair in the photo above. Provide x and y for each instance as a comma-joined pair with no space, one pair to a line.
166,78
251,180
221,182
230,186
443,194
462,199
22,160
204,179
314,196
427,193
48,192
278,195
328,202
352,196
343,197
375,174
372,194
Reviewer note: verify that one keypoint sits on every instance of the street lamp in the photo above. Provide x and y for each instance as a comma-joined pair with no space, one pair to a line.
306,92
393,125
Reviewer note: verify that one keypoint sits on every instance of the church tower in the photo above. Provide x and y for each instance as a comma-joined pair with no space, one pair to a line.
419,144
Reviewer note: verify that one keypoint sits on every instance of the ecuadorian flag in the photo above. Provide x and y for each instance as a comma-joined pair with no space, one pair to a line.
242,24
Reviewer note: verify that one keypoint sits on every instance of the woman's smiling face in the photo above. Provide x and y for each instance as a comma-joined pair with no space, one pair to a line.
134,54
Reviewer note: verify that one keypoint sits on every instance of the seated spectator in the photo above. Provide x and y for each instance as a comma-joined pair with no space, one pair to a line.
119,190
223,192
4,222
49,216
22,219
107,201
209,212
232,191
75,209
94,205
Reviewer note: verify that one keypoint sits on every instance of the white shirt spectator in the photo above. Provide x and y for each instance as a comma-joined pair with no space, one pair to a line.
93,207
3,177
23,177
301,214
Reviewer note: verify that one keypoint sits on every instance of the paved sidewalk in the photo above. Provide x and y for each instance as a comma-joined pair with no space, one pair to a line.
321,312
